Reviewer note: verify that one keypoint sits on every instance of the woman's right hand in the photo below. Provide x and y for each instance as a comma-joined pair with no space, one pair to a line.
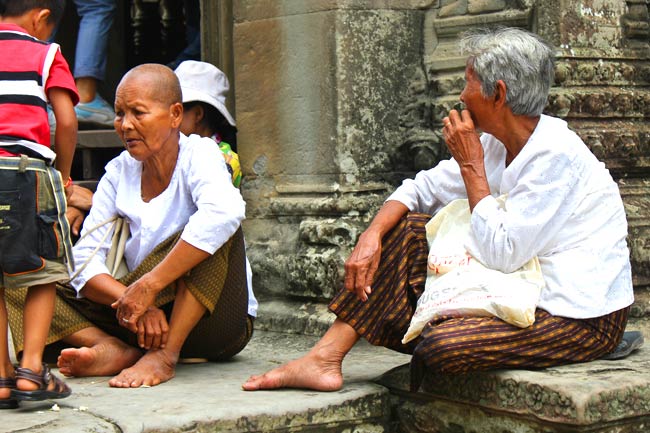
362,264
360,267
153,329
75,218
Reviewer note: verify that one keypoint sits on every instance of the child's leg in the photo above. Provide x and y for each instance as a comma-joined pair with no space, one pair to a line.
37,316
6,369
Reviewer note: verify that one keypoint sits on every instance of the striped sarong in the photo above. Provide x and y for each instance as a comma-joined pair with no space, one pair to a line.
218,283
461,345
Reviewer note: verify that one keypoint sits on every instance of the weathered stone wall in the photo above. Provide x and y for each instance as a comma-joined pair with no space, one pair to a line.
337,100
318,86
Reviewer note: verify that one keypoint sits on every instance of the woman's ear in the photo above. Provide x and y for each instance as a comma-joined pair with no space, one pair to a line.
176,114
500,93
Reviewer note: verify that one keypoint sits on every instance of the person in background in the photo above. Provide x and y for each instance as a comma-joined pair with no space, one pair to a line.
204,89
96,19
34,233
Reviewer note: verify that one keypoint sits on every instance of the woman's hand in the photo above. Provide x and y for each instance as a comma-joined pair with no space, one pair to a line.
462,139
362,264
75,218
153,329
360,267
465,146
135,301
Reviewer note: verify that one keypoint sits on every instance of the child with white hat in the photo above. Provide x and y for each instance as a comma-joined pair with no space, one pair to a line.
204,89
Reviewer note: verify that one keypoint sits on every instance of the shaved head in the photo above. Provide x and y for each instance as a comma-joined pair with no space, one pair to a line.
158,82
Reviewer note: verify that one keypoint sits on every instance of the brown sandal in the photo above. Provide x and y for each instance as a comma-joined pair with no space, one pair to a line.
8,403
43,380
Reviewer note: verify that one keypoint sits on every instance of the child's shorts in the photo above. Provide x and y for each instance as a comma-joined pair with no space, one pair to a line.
34,233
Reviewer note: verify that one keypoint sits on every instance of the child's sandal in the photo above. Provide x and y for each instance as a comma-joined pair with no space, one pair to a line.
43,380
8,403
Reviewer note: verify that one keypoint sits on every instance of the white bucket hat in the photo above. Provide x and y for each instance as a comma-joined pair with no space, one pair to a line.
201,81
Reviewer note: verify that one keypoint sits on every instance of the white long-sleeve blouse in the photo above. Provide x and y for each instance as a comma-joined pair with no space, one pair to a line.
200,200
563,207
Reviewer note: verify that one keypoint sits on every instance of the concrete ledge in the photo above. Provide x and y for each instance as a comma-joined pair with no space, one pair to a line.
600,396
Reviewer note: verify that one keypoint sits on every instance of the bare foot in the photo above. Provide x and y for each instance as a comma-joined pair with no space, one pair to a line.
155,367
312,371
109,356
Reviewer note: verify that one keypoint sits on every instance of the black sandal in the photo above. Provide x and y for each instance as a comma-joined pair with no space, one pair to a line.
8,403
43,380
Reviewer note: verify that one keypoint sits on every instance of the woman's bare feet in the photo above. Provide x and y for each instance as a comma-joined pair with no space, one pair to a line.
107,357
155,367
312,371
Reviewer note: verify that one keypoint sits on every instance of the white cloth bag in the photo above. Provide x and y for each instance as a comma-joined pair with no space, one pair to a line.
115,261
458,285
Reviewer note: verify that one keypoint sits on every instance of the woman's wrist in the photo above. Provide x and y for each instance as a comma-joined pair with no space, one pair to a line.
151,283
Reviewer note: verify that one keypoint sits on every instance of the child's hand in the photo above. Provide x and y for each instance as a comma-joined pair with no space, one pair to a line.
68,188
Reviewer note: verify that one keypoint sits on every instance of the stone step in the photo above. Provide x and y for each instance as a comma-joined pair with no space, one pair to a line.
294,317
596,397
208,397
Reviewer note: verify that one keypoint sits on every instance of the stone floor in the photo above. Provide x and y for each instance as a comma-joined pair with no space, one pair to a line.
595,397
208,397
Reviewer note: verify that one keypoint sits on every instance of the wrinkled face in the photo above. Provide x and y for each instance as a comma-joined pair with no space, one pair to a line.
478,105
145,125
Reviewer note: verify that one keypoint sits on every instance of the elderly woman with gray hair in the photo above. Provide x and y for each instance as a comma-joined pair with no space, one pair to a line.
562,207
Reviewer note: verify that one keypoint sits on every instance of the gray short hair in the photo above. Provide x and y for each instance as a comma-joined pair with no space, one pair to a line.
521,59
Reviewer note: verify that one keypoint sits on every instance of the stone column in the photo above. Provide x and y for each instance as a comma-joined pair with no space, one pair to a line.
319,87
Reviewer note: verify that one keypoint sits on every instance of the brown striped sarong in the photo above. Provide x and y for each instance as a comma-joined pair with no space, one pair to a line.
461,345
218,283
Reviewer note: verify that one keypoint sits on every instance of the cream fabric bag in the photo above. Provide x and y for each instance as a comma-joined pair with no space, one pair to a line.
458,285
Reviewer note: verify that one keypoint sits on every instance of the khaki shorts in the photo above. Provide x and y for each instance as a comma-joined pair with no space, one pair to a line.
34,233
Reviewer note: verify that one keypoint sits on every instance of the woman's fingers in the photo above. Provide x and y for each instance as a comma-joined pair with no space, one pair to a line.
141,334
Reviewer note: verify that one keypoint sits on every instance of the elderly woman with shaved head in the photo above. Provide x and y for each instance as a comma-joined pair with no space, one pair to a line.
185,293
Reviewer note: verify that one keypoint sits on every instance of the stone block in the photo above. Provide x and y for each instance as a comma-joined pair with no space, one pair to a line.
599,396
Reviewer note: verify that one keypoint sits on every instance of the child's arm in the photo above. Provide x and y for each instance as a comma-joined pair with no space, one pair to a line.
65,137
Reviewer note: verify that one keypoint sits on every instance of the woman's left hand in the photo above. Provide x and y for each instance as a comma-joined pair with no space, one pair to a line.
135,301
153,329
